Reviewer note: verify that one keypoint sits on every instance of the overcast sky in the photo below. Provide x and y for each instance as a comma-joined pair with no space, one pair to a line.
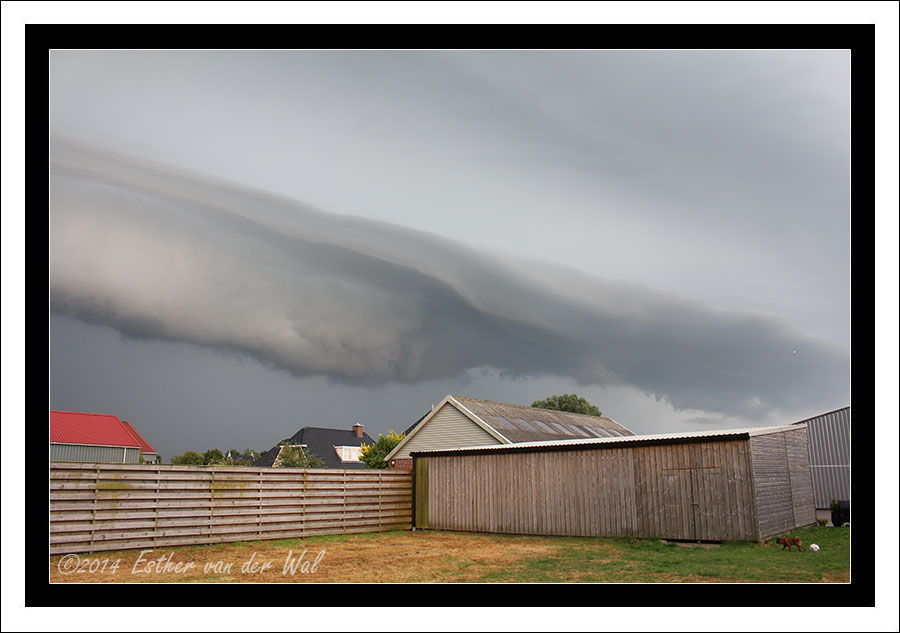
243,243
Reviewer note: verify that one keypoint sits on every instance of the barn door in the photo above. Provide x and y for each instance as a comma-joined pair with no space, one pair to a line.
709,492
678,514
707,503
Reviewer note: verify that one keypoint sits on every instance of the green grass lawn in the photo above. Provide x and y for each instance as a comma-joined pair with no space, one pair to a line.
640,560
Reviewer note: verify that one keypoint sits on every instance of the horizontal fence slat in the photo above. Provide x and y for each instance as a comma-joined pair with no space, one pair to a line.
107,507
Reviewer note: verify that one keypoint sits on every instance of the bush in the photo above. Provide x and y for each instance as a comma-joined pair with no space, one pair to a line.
190,458
373,454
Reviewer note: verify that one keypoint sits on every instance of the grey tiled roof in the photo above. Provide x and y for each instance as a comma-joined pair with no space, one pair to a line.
320,442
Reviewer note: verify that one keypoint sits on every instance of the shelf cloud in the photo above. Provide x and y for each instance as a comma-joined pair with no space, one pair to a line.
162,253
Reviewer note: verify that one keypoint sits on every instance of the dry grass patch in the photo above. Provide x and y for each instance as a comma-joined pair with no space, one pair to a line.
378,557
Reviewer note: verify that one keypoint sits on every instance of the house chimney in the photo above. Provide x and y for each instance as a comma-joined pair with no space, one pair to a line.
358,428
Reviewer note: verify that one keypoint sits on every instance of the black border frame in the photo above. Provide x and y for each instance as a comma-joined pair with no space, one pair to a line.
858,38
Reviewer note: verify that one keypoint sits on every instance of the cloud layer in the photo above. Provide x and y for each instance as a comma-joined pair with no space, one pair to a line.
162,253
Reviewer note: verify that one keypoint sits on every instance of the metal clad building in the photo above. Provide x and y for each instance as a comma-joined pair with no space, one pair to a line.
730,485
92,437
829,456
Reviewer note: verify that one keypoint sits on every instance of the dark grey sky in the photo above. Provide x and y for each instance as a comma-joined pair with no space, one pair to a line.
246,242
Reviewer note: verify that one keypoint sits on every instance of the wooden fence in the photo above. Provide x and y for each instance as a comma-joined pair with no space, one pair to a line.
101,507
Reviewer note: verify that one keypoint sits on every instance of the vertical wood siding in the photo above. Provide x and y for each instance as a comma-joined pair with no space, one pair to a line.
700,491
99,507
783,483
802,494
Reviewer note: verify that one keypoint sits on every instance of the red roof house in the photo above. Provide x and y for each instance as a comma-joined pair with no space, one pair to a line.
96,437
149,454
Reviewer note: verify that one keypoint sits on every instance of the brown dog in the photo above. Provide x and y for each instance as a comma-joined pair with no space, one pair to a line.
788,541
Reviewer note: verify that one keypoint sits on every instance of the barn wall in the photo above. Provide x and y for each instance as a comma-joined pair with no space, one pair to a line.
699,491
449,428
782,481
85,453
802,493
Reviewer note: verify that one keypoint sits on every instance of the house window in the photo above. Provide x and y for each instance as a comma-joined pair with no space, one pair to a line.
348,453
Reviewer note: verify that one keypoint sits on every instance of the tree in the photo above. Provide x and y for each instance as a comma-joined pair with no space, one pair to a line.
567,402
373,454
212,457
296,457
191,458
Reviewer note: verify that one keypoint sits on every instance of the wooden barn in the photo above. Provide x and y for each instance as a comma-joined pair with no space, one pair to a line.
730,485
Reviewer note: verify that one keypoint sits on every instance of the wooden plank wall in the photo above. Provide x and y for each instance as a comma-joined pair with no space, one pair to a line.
802,494
100,507
676,491
784,494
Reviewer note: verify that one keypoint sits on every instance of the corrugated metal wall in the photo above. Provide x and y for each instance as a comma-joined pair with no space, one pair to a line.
829,456
697,491
447,429
104,454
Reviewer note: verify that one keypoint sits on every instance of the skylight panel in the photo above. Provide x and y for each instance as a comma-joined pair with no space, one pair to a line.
562,429
542,426
579,431
504,422
528,426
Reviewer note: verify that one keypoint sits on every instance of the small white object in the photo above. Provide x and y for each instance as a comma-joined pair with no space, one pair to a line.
814,548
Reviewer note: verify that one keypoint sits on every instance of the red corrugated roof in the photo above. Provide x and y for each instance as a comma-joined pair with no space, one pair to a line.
69,427
145,445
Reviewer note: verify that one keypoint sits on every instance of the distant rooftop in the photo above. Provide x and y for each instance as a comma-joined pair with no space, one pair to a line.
98,429
321,442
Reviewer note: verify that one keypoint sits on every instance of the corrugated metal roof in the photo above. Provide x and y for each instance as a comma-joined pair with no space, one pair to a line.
145,445
519,423
658,437
99,429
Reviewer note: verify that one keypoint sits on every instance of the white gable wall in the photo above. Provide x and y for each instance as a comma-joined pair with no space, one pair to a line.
447,428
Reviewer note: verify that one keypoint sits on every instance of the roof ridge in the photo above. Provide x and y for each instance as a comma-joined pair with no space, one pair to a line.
326,428
84,413
821,415
525,406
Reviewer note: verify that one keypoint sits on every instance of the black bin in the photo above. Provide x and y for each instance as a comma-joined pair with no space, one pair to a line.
842,514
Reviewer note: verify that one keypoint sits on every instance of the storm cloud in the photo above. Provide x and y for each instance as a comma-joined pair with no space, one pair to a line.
162,253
